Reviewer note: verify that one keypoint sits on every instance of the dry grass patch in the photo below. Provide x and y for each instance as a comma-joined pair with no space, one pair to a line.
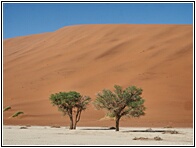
157,138
140,138
171,132
168,126
55,126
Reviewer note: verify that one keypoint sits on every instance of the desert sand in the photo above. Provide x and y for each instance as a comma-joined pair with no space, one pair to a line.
45,135
89,58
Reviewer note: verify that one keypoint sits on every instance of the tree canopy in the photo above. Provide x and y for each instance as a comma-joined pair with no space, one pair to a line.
71,103
127,102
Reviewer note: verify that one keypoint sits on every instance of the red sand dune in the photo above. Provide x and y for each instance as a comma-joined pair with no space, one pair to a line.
89,58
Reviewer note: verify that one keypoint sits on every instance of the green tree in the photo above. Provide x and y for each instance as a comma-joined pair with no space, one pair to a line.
71,104
127,102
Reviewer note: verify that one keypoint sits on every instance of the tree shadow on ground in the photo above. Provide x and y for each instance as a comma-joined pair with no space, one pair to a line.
110,128
154,131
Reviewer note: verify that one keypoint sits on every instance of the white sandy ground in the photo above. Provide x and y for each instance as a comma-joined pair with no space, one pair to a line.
45,135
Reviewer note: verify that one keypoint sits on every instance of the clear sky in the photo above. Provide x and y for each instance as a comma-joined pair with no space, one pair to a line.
21,19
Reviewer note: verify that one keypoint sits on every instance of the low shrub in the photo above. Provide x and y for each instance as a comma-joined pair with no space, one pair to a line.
7,108
17,114
23,127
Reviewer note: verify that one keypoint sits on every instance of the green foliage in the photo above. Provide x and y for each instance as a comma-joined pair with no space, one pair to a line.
17,114
69,103
66,101
7,108
121,102
127,102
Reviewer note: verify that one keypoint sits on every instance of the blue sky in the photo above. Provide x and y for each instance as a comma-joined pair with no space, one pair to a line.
21,19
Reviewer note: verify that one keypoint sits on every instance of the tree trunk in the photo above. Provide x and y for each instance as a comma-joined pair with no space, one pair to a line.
71,123
117,123
71,118
74,127
75,123
77,118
